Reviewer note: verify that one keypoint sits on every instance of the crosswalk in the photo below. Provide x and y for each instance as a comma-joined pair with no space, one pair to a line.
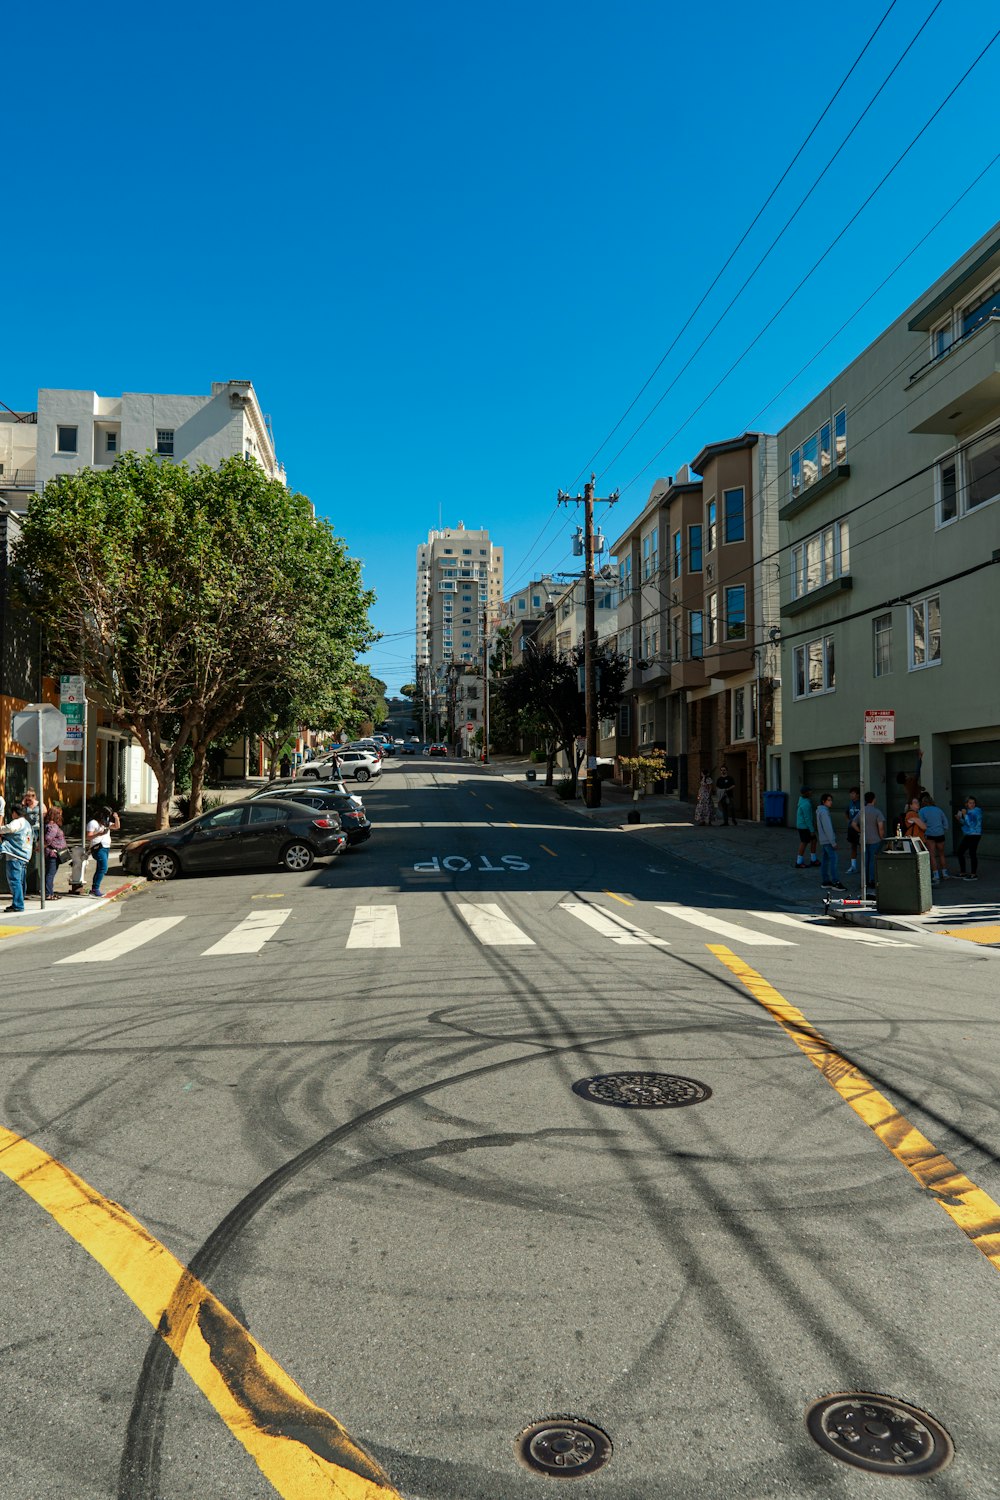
490,925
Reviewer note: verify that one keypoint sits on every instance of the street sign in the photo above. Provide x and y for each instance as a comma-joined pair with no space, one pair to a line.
25,727
880,726
72,701
470,728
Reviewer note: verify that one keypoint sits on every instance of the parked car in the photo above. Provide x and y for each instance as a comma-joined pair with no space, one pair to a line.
323,768
366,744
284,784
410,747
361,764
243,835
353,819
437,749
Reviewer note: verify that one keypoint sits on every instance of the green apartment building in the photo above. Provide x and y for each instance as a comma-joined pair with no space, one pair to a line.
889,483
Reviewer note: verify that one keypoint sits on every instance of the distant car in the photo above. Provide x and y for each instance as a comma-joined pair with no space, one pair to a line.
437,749
355,824
410,747
366,744
361,764
244,835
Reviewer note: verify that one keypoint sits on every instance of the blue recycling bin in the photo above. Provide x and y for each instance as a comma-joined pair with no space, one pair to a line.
775,804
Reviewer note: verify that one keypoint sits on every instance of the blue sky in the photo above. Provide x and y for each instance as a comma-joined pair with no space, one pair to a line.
449,242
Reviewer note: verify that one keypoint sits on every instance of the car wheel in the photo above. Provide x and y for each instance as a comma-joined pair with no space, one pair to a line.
297,857
162,865
362,774
310,775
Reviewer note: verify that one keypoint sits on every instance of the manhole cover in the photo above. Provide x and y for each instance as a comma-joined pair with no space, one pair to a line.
879,1434
563,1447
642,1090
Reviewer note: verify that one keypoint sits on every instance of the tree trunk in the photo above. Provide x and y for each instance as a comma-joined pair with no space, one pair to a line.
550,760
164,774
198,778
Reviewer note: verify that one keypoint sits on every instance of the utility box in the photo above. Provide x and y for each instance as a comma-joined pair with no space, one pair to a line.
774,808
903,878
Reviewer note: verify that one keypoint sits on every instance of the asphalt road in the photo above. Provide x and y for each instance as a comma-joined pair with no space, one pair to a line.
361,1134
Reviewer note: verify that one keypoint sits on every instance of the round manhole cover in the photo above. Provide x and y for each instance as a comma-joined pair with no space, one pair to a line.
879,1434
563,1447
642,1090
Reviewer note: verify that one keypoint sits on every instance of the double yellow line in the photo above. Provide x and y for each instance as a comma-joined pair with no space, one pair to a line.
303,1451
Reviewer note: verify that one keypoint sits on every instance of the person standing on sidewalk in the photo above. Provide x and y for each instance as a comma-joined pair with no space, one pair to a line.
829,873
704,811
853,834
805,823
935,829
970,819
16,844
726,787
55,842
99,844
874,833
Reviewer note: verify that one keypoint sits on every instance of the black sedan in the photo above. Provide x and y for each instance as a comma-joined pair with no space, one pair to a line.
240,836
352,817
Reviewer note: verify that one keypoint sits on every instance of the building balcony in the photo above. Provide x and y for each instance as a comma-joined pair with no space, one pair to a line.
727,658
18,479
688,674
961,386
808,493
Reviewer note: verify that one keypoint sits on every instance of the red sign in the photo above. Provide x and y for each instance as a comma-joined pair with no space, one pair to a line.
880,726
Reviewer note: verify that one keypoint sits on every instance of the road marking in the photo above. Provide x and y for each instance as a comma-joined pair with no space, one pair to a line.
548,850
975,1212
374,927
990,934
123,942
271,896
728,930
608,925
513,825
615,897
299,1447
250,935
853,935
489,805
493,927
11,931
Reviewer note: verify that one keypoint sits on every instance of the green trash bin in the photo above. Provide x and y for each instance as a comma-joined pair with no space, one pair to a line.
903,878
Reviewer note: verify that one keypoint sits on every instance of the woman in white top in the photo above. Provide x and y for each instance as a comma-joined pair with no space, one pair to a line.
98,841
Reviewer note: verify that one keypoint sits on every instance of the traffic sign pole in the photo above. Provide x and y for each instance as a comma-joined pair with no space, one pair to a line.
41,819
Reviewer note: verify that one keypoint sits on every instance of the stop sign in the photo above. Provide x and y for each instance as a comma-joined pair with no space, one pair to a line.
45,716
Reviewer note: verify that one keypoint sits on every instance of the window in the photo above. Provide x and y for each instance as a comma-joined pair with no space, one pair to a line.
482,552
165,441
942,338
466,551
111,442
646,556
925,633
696,635
814,458
985,305
263,812
626,576
882,644
710,527
66,439
813,668
472,714
694,549
654,551
677,554
713,619
448,551
522,604
223,819
820,558
536,601
947,490
734,525
739,714
982,478
736,613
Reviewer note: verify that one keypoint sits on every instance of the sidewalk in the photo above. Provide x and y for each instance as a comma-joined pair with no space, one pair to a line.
764,857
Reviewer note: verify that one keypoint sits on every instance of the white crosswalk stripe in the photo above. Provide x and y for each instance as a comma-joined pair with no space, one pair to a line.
724,929
250,935
492,927
374,927
123,942
852,934
609,924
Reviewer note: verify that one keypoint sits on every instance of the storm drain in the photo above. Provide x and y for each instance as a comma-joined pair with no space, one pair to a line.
879,1434
563,1447
642,1090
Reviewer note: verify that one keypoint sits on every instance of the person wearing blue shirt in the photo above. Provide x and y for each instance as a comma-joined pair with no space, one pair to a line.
15,846
935,828
970,818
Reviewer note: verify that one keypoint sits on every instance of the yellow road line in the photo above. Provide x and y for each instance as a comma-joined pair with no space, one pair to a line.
974,1211
11,931
548,850
513,825
622,899
990,934
300,1448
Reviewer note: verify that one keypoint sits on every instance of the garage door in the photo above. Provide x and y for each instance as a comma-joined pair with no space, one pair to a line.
830,773
975,772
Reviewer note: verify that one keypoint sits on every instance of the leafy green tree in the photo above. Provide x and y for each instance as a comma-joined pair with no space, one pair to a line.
186,595
542,693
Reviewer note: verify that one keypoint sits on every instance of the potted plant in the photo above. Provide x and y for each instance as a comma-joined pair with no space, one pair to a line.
643,770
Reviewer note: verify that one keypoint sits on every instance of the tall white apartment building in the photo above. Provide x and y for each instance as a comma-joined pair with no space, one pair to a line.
459,575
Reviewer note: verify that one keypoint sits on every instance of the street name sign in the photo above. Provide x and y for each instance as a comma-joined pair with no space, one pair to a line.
880,726
72,700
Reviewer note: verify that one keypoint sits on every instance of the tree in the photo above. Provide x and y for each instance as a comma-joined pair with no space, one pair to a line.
408,690
186,596
543,693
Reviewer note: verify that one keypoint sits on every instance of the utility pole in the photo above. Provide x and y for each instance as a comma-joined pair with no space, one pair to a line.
486,693
592,785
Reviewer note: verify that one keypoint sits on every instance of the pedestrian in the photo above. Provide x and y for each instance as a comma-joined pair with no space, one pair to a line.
34,811
970,818
726,788
15,846
284,765
829,873
99,832
55,843
874,833
805,825
853,835
914,826
935,821
704,811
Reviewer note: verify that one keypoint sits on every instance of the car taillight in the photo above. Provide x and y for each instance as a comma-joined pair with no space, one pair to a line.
323,823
